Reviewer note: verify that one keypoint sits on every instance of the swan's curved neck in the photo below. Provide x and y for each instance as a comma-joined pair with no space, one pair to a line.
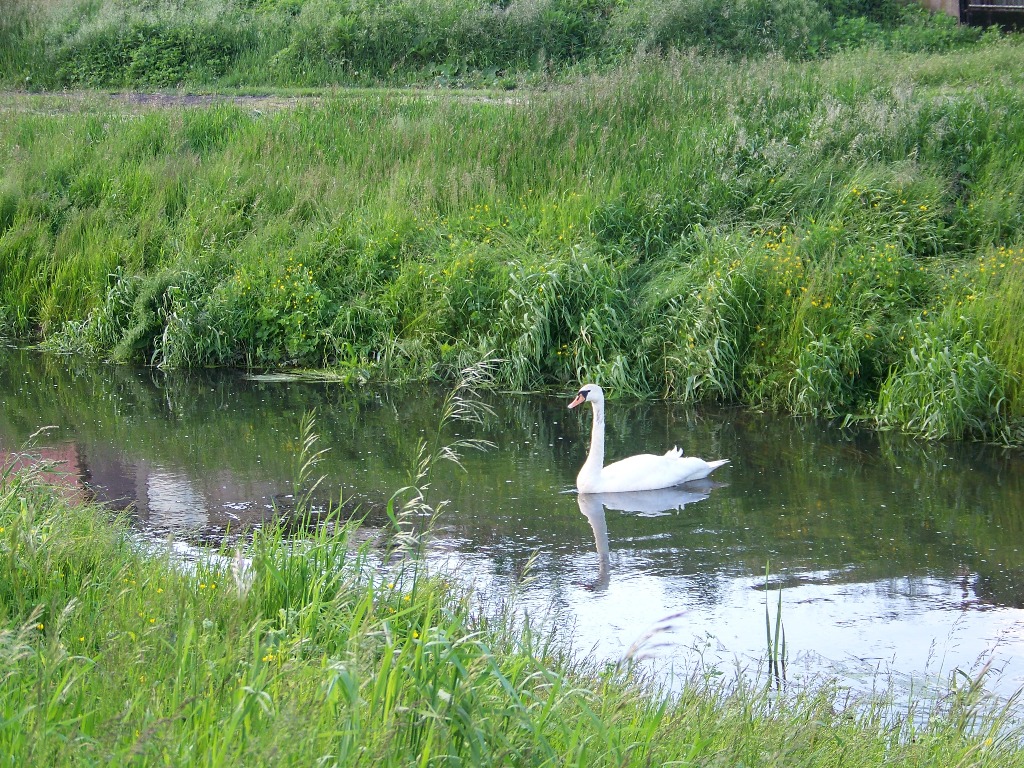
595,459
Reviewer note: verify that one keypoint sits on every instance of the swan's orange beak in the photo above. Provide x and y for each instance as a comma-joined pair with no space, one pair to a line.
579,399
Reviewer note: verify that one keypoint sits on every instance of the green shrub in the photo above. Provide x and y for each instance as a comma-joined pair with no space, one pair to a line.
149,53
882,12
736,27
849,32
440,37
161,43
932,32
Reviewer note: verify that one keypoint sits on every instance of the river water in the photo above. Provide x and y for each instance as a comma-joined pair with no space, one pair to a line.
896,559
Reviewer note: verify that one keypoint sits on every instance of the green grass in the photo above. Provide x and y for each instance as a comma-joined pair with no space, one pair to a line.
161,43
779,234
116,653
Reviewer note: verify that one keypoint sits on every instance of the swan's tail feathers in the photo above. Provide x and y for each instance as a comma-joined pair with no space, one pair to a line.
676,453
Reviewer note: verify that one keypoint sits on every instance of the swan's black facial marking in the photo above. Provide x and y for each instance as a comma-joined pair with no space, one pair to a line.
581,397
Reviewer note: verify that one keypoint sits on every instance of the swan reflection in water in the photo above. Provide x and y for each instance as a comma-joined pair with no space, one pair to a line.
641,503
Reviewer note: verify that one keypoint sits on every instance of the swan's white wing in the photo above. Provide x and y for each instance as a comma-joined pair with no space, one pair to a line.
647,472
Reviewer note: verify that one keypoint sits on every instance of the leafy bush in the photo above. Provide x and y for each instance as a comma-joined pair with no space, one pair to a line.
924,31
853,32
885,13
737,27
442,37
150,53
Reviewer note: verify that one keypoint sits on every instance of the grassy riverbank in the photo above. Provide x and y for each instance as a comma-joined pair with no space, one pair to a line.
115,654
839,236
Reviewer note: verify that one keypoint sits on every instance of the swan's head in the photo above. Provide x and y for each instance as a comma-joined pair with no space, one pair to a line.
589,393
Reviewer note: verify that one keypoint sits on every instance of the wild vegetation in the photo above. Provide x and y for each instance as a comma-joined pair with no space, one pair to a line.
833,227
312,652
835,235
148,43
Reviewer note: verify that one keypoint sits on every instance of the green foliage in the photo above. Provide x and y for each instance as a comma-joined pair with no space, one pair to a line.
736,27
162,43
159,50
923,31
21,42
292,650
893,24
440,38
883,12
993,298
6,324
949,385
761,232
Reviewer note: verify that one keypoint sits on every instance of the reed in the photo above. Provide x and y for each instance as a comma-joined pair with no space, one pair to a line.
775,639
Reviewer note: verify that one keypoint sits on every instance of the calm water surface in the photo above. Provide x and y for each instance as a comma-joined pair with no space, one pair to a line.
892,555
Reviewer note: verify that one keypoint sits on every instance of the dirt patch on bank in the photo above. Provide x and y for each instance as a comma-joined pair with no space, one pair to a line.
177,100
64,102
139,101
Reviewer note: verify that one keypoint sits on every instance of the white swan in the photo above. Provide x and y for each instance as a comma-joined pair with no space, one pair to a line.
645,472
